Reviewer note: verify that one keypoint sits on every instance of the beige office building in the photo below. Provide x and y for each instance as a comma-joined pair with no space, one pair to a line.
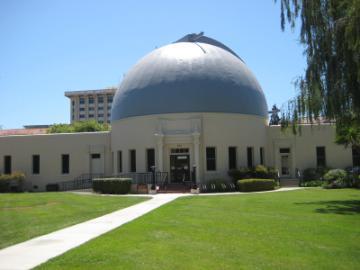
192,109
91,104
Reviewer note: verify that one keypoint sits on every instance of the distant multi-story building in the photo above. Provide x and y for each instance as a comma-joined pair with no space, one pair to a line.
91,104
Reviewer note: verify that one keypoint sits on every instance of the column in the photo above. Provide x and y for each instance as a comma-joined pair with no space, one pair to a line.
196,137
160,150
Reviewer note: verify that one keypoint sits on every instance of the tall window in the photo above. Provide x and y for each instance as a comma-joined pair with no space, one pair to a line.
355,157
91,100
7,164
250,158
232,158
36,164
100,99
65,163
132,161
119,161
82,100
150,159
262,156
320,156
210,158
109,99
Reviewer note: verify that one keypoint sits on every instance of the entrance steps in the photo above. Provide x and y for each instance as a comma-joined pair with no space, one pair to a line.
175,188
288,182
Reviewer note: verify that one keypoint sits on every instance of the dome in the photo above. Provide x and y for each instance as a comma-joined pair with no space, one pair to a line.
193,74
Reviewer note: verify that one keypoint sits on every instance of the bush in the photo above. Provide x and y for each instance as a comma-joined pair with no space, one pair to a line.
52,187
311,174
112,185
314,183
256,184
260,171
12,182
337,178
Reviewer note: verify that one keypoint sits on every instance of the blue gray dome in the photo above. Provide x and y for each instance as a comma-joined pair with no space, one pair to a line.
194,74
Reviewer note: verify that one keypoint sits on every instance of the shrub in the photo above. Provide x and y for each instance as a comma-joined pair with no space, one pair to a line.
52,187
256,184
314,183
112,185
261,172
311,174
12,182
337,178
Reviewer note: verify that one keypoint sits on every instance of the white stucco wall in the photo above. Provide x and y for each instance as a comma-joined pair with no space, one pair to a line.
219,130
303,147
50,147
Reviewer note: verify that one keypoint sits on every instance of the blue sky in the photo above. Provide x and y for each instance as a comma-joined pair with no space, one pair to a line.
49,47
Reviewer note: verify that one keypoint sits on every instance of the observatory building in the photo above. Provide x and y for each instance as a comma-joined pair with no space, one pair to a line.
192,109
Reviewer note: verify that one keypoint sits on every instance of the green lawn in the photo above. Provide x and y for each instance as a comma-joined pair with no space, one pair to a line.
305,229
26,215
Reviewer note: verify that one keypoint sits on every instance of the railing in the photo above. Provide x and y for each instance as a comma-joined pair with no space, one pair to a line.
84,181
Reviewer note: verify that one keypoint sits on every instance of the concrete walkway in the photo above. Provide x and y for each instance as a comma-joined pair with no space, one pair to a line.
38,250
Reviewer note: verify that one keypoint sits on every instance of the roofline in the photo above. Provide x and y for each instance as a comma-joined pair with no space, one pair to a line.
59,134
111,90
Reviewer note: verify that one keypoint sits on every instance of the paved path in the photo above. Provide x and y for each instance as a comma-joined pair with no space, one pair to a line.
38,250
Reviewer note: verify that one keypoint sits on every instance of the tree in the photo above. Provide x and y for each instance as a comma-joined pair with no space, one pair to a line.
81,126
330,87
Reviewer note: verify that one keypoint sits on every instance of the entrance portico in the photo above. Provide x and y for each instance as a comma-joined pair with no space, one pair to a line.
178,151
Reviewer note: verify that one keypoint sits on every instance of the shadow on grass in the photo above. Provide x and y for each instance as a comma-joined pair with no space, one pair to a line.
348,207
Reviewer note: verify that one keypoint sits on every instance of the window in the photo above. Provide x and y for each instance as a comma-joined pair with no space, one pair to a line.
91,100
95,156
250,158
7,164
100,108
356,157
262,156
284,150
232,158
82,116
108,115
82,109
150,159
91,108
73,103
100,99
132,161
100,115
65,164
119,161
91,115
210,159
82,100
320,156
109,99
36,164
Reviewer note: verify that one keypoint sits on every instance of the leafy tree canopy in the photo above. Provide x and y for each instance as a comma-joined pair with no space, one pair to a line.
81,126
330,87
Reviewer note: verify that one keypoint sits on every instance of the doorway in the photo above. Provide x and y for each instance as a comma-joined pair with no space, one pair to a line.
96,164
285,162
180,165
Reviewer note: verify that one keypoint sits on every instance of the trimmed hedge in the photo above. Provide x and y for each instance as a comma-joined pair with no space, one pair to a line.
112,185
258,172
217,185
246,185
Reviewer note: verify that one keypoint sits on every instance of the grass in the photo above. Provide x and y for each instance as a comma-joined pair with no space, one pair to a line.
305,229
26,215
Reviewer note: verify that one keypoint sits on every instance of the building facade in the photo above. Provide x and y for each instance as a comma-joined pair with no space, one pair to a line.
191,109
91,104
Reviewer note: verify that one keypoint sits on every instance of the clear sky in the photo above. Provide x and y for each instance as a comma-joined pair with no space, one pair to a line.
49,47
